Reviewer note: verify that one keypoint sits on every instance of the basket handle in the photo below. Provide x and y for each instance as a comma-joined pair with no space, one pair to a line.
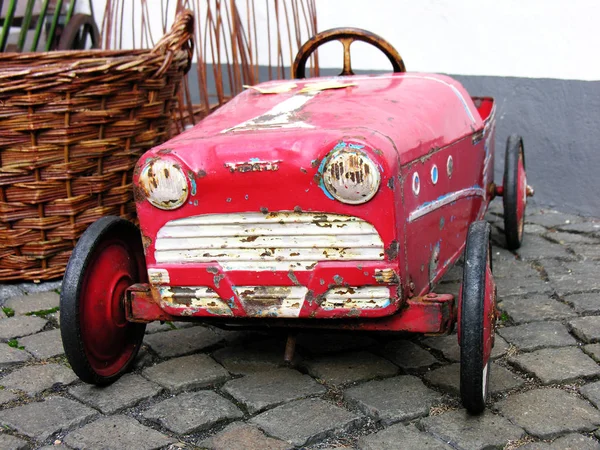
180,37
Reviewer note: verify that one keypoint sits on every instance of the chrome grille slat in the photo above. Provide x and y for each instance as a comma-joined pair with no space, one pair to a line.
273,241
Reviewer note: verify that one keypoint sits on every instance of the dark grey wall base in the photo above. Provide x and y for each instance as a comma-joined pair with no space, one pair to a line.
560,123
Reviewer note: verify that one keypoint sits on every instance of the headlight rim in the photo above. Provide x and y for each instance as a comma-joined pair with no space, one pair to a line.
373,168
175,170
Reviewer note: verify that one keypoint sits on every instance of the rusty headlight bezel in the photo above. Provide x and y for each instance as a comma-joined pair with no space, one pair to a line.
351,176
164,184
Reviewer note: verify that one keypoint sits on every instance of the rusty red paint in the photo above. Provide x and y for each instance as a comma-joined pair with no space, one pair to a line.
281,169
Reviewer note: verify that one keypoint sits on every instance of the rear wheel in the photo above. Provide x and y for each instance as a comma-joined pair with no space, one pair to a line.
477,318
514,196
99,342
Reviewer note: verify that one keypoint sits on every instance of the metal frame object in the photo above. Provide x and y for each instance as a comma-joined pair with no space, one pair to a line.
328,203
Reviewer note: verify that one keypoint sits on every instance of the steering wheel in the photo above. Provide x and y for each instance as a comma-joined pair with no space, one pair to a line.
346,36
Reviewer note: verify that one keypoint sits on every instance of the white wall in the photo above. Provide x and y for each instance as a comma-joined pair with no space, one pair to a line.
523,38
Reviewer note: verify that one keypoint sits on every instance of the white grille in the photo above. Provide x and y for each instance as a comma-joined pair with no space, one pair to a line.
271,301
273,241
364,297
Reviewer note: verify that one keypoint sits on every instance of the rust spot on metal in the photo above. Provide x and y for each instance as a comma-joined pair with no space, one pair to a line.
138,194
315,163
390,183
212,270
297,209
201,173
310,296
392,251
264,210
146,242
294,254
378,152
164,151
387,276
338,280
217,279
353,313
249,239
292,276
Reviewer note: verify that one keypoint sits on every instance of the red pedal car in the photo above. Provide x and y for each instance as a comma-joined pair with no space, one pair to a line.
333,202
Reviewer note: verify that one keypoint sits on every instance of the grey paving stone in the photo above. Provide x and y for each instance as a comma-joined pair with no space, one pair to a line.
586,328
157,327
263,390
532,228
319,343
187,372
191,412
536,247
547,413
35,379
241,360
535,308
582,227
242,436
394,399
573,441
304,422
552,219
8,291
18,326
46,344
10,356
54,317
449,347
7,396
591,391
408,355
8,442
182,342
510,267
408,437
520,286
40,301
447,378
465,431
574,277
346,368
40,420
536,335
118,432
46,286
564,238
593,350
557,365
587,251
127,391
585,303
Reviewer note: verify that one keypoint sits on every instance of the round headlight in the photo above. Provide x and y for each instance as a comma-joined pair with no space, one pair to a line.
351,177
164,184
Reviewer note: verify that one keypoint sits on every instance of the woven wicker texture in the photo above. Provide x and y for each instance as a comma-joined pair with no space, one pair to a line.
72,126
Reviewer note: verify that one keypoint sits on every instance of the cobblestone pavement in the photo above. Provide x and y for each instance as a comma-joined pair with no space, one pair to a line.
199,387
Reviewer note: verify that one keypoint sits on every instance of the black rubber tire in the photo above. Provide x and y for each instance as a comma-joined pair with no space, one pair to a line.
473,377
513,229
70,324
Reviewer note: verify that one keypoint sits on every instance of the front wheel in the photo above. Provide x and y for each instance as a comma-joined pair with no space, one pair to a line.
99,342
477,318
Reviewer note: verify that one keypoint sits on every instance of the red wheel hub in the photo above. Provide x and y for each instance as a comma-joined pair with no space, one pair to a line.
107,336
489,312
521,194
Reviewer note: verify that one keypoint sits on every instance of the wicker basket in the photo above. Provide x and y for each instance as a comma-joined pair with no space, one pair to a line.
72,127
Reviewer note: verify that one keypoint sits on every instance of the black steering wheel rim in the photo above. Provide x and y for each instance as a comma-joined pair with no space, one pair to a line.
346,36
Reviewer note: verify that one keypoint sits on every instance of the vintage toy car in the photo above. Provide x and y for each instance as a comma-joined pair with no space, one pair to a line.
333,202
